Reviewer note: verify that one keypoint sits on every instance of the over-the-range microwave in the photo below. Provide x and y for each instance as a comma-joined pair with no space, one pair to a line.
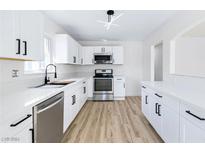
103,58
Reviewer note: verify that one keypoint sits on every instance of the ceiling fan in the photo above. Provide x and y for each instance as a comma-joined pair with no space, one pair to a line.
111,19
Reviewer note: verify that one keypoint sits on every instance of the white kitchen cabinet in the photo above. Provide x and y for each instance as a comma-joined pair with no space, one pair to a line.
174,120
66,49
17,128
119,87
192,124
102,49
84,92
88,52
71,105
118,56
170,125
80,55
90,88
145,103
191,133
67,109
155,113
21,37
74,98
31,24
24,136
170,119
75,52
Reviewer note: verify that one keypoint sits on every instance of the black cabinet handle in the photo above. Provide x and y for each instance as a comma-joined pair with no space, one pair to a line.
156,108
189,112
32,133
74,59
146,99
73,99
25,48
158,95
144,87
19,46
159,110
84,90
14,125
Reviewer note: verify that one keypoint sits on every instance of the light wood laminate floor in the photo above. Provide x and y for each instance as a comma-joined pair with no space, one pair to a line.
112,121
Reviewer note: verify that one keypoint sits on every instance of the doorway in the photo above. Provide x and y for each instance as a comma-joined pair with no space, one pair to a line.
157,62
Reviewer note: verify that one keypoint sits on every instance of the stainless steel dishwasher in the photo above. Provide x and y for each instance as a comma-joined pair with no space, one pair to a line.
48,120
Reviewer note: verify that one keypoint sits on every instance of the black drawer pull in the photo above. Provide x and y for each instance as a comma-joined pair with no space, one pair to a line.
156,108
159,110
19,46
73,99
14,125
146,102
144,87
189,112
158,95
25,48
32,133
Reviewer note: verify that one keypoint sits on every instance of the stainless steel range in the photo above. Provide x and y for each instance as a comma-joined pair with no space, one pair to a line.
103,84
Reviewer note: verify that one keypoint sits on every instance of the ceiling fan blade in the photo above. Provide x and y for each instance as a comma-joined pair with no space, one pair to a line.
102,22
108,26
115,25
117,17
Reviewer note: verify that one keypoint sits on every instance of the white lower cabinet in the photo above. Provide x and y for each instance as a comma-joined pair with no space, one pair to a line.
74,99
190,133
155,114
119,87
90,88
172,120
170,125
25,136
145,103
18,129
192,125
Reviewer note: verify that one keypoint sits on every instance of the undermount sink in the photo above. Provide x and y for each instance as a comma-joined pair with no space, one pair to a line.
56,84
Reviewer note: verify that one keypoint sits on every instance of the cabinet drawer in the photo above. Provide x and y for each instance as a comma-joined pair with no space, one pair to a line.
194,115
19,123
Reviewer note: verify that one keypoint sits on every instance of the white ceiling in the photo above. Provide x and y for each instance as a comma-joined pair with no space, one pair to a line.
134,25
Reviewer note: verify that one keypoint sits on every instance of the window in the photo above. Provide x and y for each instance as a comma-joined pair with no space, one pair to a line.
39,66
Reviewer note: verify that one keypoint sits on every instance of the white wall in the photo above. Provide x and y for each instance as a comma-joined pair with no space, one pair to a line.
190,56
165,34
131,69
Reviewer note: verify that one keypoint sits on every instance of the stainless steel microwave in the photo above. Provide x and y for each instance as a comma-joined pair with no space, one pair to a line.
103,58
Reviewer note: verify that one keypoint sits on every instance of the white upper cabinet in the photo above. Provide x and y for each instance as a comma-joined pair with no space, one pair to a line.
118,57
21,35
102,49
80,55
66,49
88,52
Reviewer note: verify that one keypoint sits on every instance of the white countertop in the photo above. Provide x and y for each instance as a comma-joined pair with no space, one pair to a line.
193,97
24,100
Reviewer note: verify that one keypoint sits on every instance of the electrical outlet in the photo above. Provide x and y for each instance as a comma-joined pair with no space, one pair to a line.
15,73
